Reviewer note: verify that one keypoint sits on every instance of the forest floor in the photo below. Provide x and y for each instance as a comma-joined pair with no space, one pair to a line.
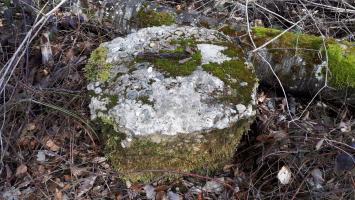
49,149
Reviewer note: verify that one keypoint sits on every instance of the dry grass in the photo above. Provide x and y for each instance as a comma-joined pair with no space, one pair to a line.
45,113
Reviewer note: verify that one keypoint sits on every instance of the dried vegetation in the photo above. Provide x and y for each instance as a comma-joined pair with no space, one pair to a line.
49,150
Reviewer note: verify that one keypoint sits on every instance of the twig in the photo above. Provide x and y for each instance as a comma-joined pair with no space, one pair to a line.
8,68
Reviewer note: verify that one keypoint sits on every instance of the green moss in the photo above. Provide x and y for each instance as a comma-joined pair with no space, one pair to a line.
233,52
174,68
290,46
97,69
183,43
148,17
203,154
233,73
310,48
173,65
107,127
112,100
7,3
288,39
342,65
107,121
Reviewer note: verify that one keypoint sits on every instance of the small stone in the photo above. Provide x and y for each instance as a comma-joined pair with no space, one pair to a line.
284,175
243,84
179,33
152,45
41,156
150,69
240,108
98,90
149,191
214,186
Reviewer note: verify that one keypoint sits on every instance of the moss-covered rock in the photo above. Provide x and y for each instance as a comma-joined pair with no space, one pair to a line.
147,17
176,98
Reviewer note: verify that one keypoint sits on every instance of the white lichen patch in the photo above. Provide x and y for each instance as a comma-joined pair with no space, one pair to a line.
124,49
177,105
319,70
148,101
212,53
96,106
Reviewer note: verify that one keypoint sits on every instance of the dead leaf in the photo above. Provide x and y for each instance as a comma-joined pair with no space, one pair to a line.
319,144
261,97
98,160
200,196
86,185
78,171
317,175
284,175
150,191
58,194
344,127
278,135
67,177
69,56
161,195
66,187
118,196
21,170
8,172
264,138
30,127
52,146
136,187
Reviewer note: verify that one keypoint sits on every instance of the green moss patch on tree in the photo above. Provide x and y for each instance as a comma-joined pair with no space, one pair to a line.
342,64
312,50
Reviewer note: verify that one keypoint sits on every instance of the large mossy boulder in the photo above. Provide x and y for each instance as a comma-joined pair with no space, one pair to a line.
171,99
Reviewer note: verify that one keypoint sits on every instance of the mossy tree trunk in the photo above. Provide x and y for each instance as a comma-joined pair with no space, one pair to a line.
305,63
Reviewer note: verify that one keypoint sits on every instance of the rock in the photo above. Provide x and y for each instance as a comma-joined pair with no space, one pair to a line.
214,186
159,113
